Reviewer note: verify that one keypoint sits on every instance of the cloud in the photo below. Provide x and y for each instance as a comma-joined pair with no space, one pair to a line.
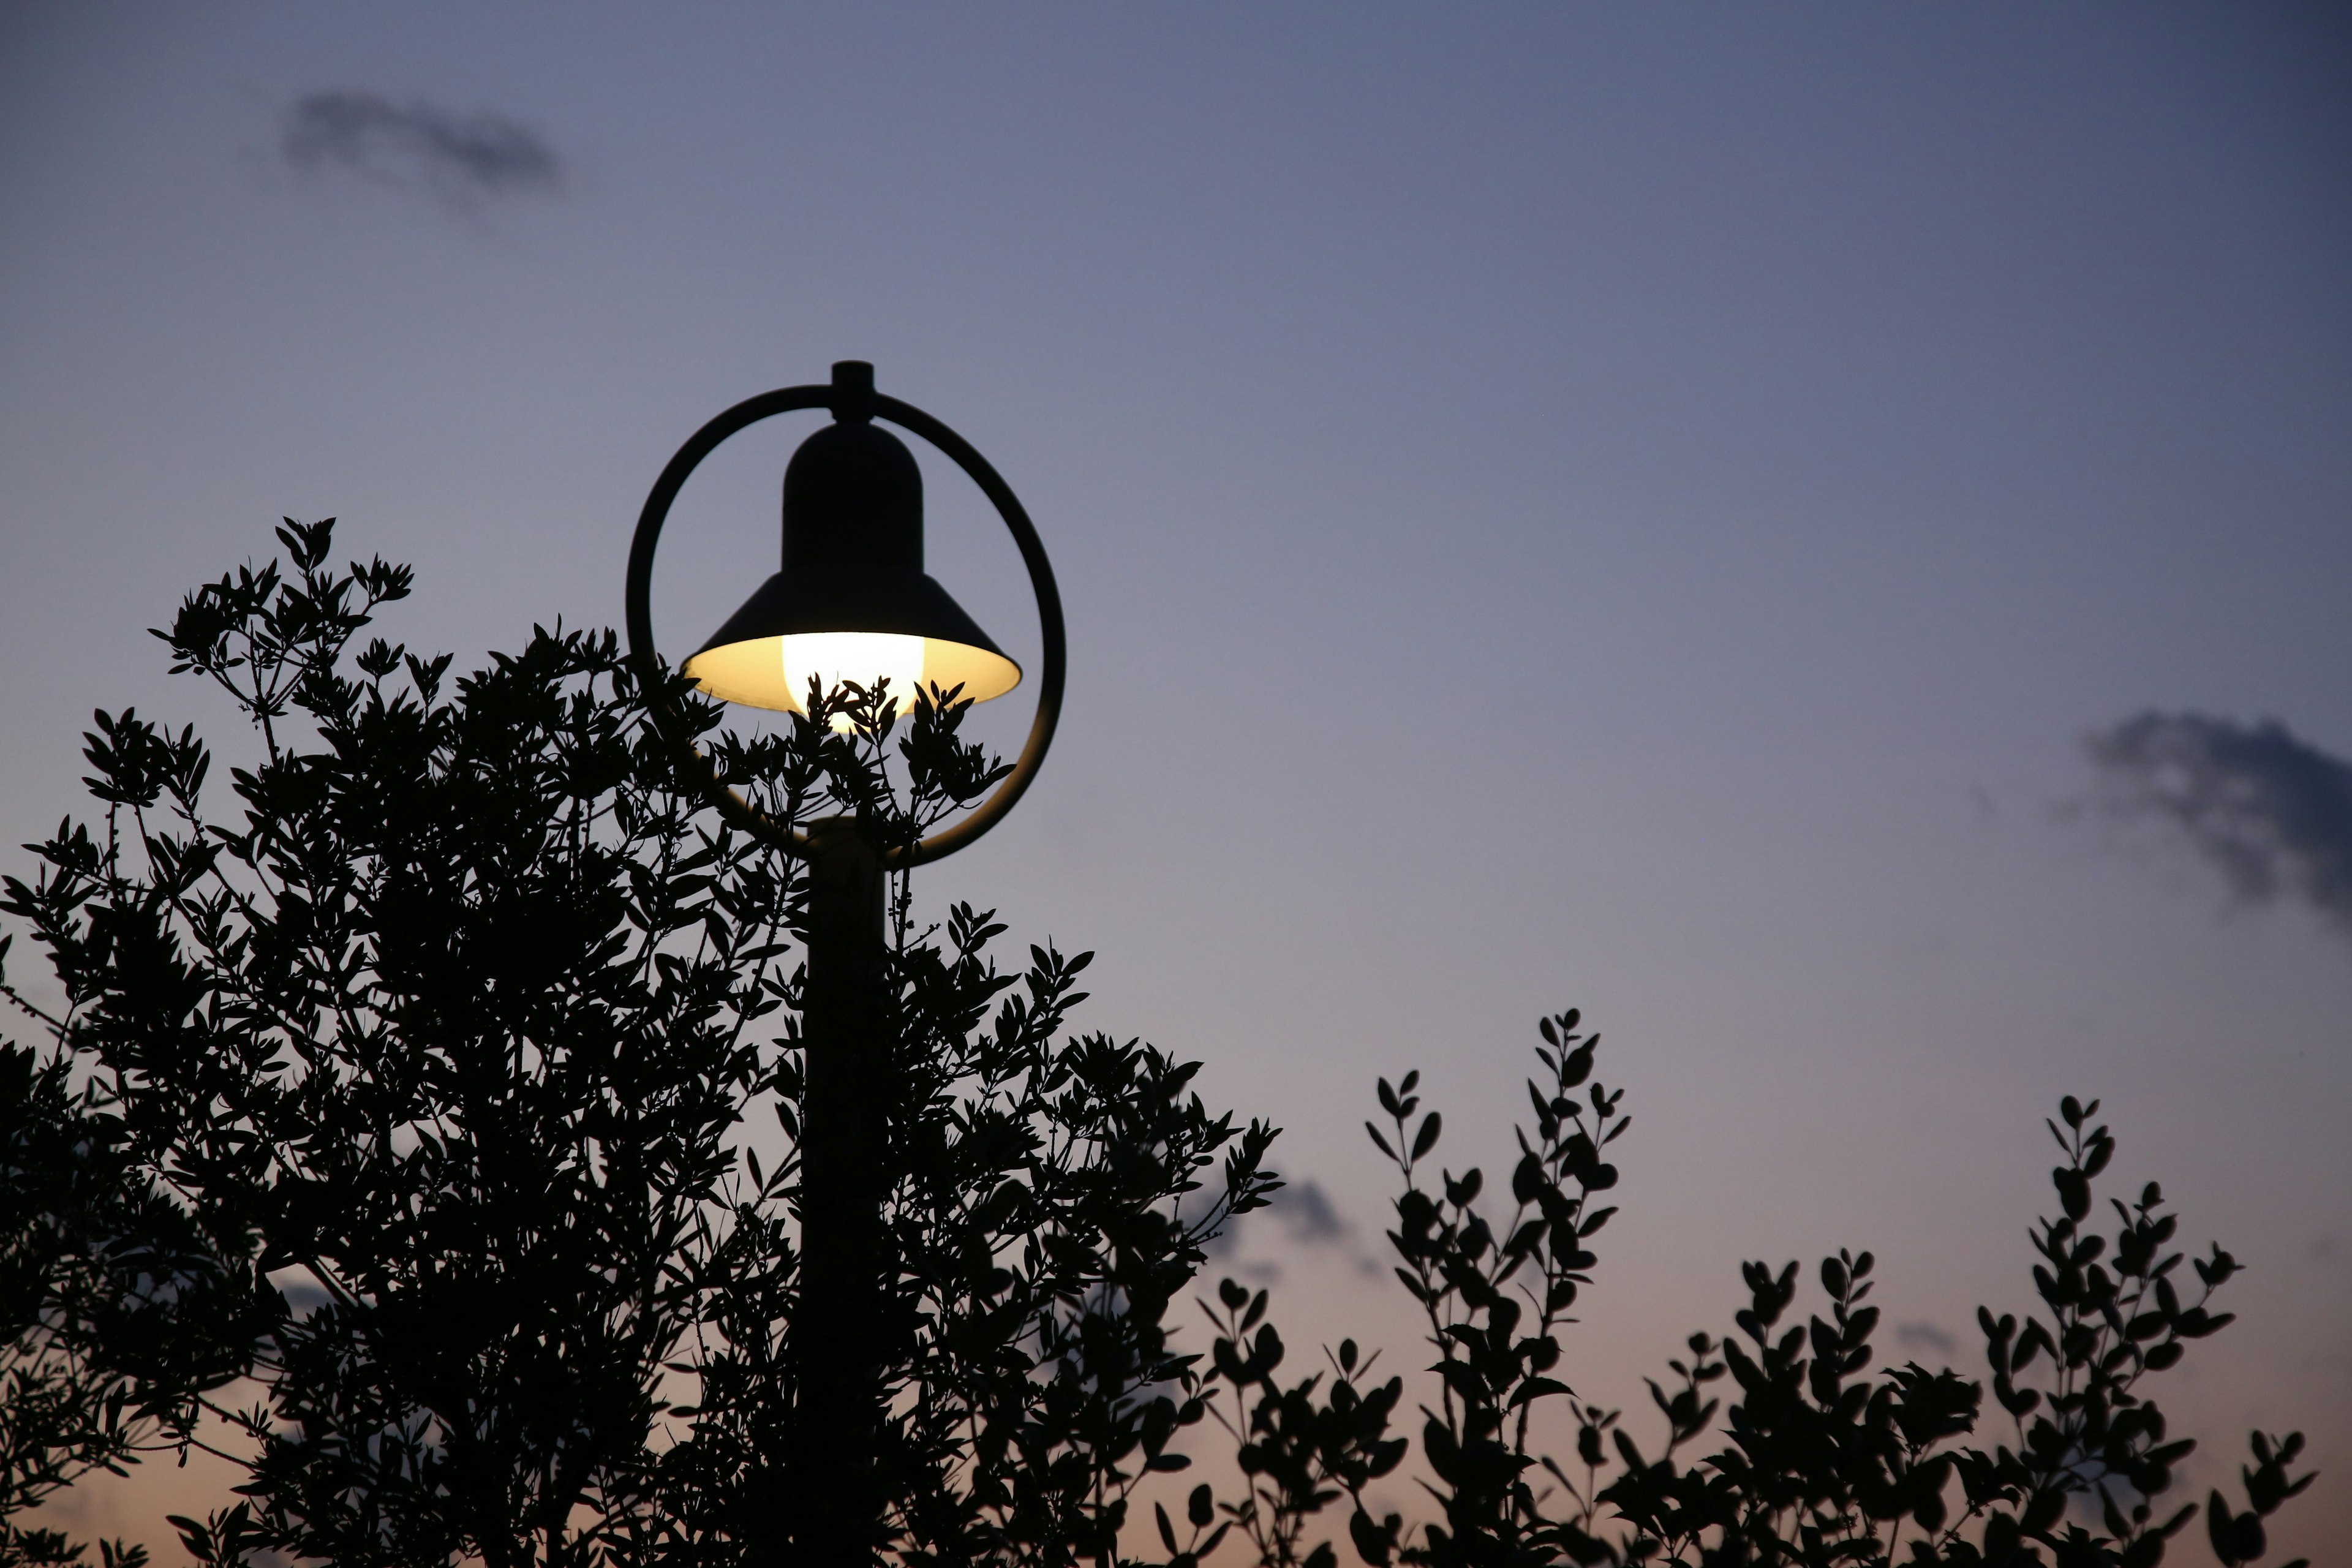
460,159
1925,1337
1307,1217
2270,810
1306,1209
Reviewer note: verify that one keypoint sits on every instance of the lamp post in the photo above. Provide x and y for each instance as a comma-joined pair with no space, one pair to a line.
851,603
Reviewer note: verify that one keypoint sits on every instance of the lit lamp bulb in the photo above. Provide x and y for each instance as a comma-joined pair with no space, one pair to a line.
861,658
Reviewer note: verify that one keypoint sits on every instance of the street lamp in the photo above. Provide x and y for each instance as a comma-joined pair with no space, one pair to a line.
851,603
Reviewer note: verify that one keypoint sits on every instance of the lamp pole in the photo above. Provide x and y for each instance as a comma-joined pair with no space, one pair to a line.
843,1120
853,565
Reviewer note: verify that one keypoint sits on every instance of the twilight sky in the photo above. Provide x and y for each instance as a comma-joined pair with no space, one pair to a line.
1640,508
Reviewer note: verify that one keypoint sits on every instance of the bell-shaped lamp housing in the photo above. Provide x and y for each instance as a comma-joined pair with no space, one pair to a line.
853,603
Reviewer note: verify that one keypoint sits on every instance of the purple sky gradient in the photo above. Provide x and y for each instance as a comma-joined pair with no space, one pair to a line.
1626,507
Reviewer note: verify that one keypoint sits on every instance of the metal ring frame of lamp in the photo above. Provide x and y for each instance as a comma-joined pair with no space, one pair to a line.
641,652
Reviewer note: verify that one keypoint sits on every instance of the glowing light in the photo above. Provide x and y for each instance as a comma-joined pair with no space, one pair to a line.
773,672
860,658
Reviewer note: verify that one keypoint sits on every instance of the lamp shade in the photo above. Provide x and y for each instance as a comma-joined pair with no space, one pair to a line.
853,603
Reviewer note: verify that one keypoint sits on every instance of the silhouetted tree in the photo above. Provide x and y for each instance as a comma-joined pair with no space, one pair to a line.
1822,1463
457,1025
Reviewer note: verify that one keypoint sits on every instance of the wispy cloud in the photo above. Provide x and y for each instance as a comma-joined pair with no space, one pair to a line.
2270,810
1303,1212
460,159
1925,1336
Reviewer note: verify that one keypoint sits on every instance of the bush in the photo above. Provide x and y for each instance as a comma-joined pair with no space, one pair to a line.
1822,1462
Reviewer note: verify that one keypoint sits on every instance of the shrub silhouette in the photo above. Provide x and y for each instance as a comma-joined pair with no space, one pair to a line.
1822,1463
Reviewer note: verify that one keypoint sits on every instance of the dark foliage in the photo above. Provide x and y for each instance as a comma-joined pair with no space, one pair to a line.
452,1021
116,1309
1823,1463
455,1032
1297,1452
1048,1204
443,1102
